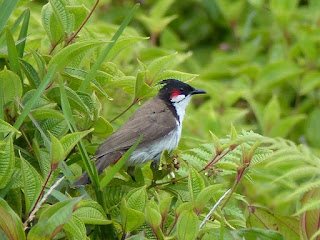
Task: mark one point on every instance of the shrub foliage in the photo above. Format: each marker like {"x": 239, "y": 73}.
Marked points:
{"x": 72, "y": 72}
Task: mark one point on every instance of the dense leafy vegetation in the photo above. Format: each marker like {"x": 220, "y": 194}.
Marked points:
{"x": 247, "y": 166}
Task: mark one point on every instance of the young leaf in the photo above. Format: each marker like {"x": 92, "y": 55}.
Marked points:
{"x": 76, "y": 228}
{"x": 61, "y": 13}
{"x": 137, "y": 200}
{"x": 90, "y": 212}
{"x": 11, "y": 86}
{"x": 7, "y": 161}
{"x": 204, "y": 196}
{"x": 56, "y": 152}
{"x": 50, "y": 23}
{"x": 40, "y": 63}
{"x": 30, "y": 73}
{"x": 6, "y": 127}
{"x": 187, "y": 226}
{"x": 69, "y": 141}
{"x": 10, "y": 223}
{"x": 131, "y": 219}
{"x": 68, "y": 54}
{"x": 102, "y": 127}
{"x": 195, "y": 183}
{"x": 53, "y": 219}
{"x": 32, "y": 183}
{"x": 153, "y": 218}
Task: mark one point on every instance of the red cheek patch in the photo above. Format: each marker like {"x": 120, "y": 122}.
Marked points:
{"x": 174, "y": 93}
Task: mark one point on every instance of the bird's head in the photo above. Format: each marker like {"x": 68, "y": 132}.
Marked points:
{"x": 176, "y": 91}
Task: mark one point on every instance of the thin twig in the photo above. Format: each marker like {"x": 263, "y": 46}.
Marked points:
{"x": 124, "y": 111}
{"x": 39, "y": 204}
{"x": 83, "y": 23}
{"x": 214, "y": 208}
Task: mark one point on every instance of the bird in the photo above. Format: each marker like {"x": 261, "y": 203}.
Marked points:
{"x": 159, "y": 120}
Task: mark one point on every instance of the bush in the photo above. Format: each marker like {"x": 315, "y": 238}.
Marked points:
{"x": 68, "y": 79}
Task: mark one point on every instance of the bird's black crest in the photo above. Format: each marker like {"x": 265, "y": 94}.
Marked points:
{"x": 169, "y": 81}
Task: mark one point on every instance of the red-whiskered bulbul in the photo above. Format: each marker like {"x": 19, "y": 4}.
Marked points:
{"x": 159, "y": 120}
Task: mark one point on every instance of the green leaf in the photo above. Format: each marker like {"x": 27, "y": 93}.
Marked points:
{"x": 121, "y": 44}
{"x": 10, "y": 222}
{"x": 74, "y": 99}
{"x": 69, "y": 141}
{"x": 6, "y": 127}
{"x": 6, "y": 7}
{"x": 195, "y": 184}
{"x": 76, "y": 228}
{"x": 40, "y": 63}
{"x": 7, "y": 161}
{"x": 119, "y": 164}
{"x": 46, "y": 113}
{"x": 137, "y": 199}
{"x": 183, "y": 207}
{"x": 23, "y": 33}
{"x": 313, "y": 128}
{"x": 158, "y": 66}
{"x": 131, "y": 219}
{"x": 172, "y": 74}
{"x": 32, "y": 183}
{"x": 271, "y": 115}
{"x": 13, "y": 54}
{"x": 56, "y": 152}
{"x": 275, "y": 74}
{"x": 309, "y": 82}
{"x": 30, "y": 73}
{"x": 153, "y": 217}
{"x": 53, "y": 219}
{"x": 187, "y": 226}
{"x": 51, "y": 24}
{"x": 63, "y": 17}
{"x": 253, "y": 233}
{"x": 35, "y": 97}
{"x": 263, "y": 218}
{"x": 164, "y": 206}
{"x": 309, "y": 221}
{"x": 91, "y": 74}
{"x": 204, "y": 196}
{"x": 90, "y": 212}
{"x": 72, "y": 52}
{"x": 79, "y": 12}
{"x": 283, "y": 127}
{"x": 102, "y": 127}
{"x": 11, "y": 86}
{"x": 141, "y": 89}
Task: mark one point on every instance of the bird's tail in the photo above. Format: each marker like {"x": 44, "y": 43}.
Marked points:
{"x": 102, "y": 162}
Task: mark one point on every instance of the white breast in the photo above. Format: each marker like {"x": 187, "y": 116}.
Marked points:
{"x": 168, "y": 142}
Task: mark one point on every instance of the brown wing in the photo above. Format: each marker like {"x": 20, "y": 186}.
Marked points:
{"x": 151, "y": 120}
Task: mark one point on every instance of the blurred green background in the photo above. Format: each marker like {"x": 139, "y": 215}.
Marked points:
{"x": 258, "y": 60}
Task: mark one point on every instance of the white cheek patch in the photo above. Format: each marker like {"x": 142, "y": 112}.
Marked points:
{"x": 177, "y": 98}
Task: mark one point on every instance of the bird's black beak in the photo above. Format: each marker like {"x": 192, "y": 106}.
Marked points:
{"x": 198, "y": 91}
